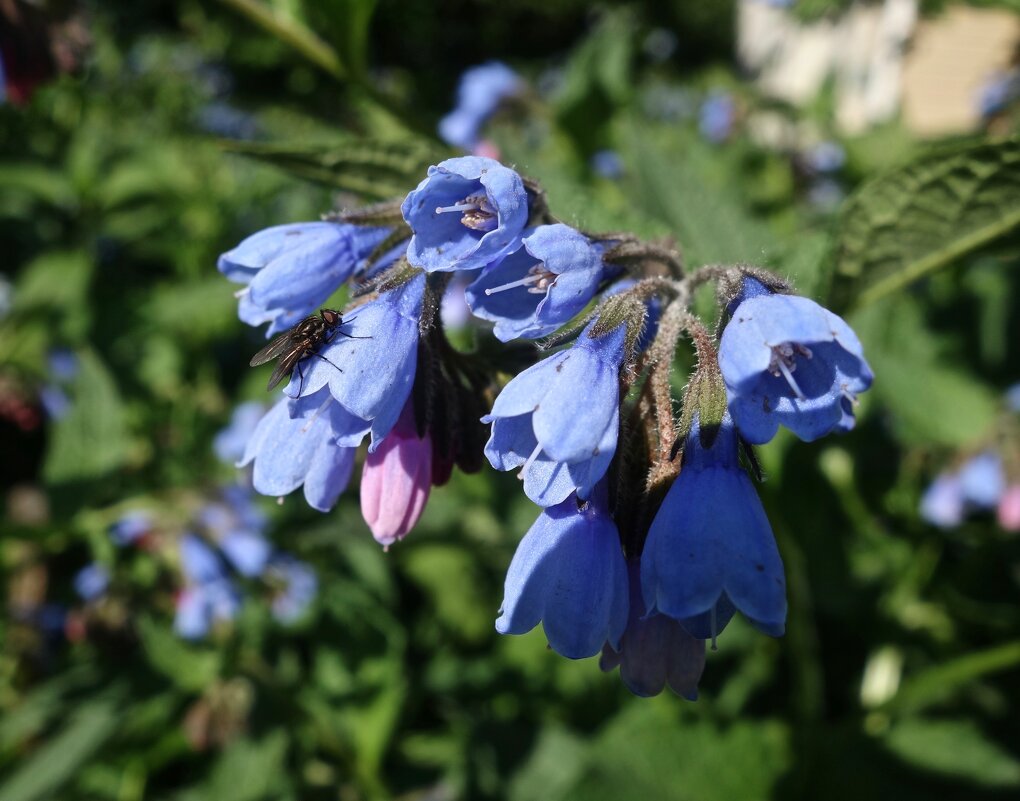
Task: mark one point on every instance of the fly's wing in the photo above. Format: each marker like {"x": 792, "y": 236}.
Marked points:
{"x": 285, "y": 365}
{"x": 275, "y": 348}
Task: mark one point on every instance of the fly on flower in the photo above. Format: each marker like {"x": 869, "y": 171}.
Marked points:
{"x": 302, "y": 340}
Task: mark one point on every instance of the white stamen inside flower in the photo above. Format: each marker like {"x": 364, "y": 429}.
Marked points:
{"x": 476, "y": 213}
{"x": 784, "y": 364}
{"x": 532, "y": 458}
{"x": 538, "y": 280}
{"x": 456, "y": 207}
{"x": 242, "y": 292}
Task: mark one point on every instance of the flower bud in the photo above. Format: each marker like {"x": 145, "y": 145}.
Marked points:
{"x": 396, "y": 480}
{"x": 1009, "y": 509}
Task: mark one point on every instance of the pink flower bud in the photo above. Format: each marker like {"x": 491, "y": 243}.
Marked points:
{"x": 396, "y": 480}
{"x": 1009, "y": 509}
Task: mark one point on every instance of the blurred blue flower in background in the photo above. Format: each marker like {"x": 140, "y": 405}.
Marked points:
{"x": 825, "y": 156}
{"x": 469, "y": 212}
{"x": 786, "y": 360}
{"x": 62, "y": 368}
{"x": 710, "y": 548}
{"x": 130, "y": 528}
{"x": 537, "y": 423}
{"x": 91, "y": 581}
{"x": 982, "y": 480}
{"x": 570, "y": 574}
{"x": 291, "y": 270}
{"x": 230, "y": 442}
{"x": 481, "y": 91}
{"x": 607, "y": 164}
{"x": 534, "y": 291}
{"x": 942, "y": 503}
{"x": 717, "y": 115}
{"x": 295, "y": 585}
{"x": 199, "y": 606}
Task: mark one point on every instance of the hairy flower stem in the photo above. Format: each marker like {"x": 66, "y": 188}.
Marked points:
{"x": 632, "y": 252}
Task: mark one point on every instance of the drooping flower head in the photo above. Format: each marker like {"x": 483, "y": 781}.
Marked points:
{"x": 569, "y": 574}
{"x": 290, "y": 270}
{"x": 480, "y": 92}
{"x": 371, "y": 371}
{"x": 655, "y": 650}
{"x": 396, "y": 480}
{"x": 309, "y": 441}
{"x": 537, "y": 289}
{"x": 710, "y": 549}
{"x": 469, "y": 212}
{"x": 786, "y": 360}
{"x": 558, "y": 420}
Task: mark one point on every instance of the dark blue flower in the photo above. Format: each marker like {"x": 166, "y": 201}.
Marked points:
{"x": 570, "y": 574}
{"x": 291, "y": 270}
{"x": 91, "y": 581}
{"x": 535, "y": 290}
{"x": 479, "y": 94}
{"x": 296, "y": 587}
{"x": 229, "y": 443}
{"x": 310, "y": 448}
{"x": 787, "y": 360}
{"x": 558, "y": 420}
{"x": 376, "y": 362}
{"x": 655, "y": 650}
{"x": 469, "y": 212}
{"x": 710, "y": 548}
{"x": 63, "y": 364}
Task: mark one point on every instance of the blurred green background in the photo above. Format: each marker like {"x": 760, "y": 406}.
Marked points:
{"x": 179, "y": 128}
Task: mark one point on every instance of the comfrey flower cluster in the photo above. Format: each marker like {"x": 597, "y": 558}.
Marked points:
{"x": 651, "y": 535}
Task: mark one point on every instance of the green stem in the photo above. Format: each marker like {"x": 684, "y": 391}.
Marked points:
{"x": 293, "y": 33}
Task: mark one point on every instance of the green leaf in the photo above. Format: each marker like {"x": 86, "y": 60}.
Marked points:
{"x": 912, "y": 221}
{"x": 377, "y": 170}
{"x": 674, "y": 181}
{"x": 190, "y": 667}
{"x": 942, "y": 681}
{"x": 956, "y": 748}
{"x": 957, "y": 408}
{"x": 249, "y": 771}
{"x": 59, "y": 760}
{"x": 92, "y": 439}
